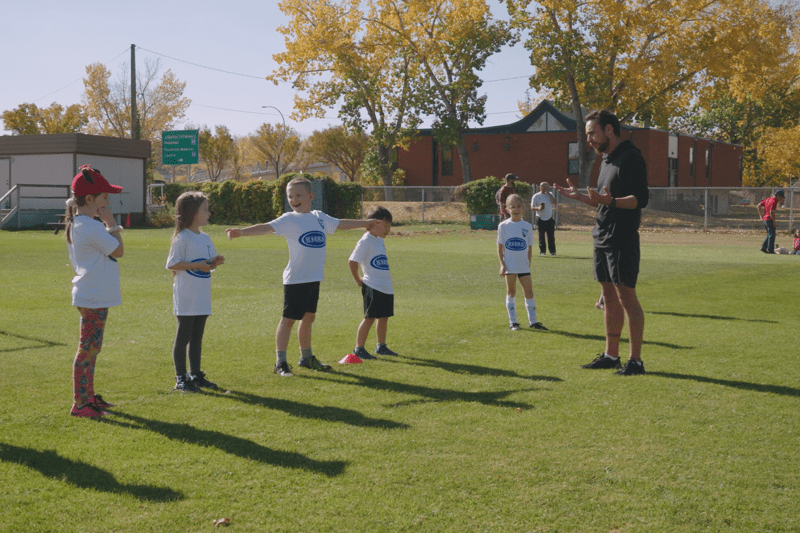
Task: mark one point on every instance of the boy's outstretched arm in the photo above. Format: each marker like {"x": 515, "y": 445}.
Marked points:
{"x": 258, "y": 229}
{"x": 354, "y": 270}
{"x": 349, "y": 223}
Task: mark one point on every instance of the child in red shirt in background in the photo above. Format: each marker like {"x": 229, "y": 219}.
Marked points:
{"x": 766, "y": 211}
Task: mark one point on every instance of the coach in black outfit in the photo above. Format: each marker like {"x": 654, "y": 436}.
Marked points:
{"x": 623, "y": 193}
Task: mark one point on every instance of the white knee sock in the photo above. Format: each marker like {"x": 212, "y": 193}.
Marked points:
{"x": 511, "y": 307}
{"x": 530, "y": 305}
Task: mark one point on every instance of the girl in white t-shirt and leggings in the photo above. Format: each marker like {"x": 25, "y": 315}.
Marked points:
{"x": 192, "y": 257}
{"x": 94, "y": 247}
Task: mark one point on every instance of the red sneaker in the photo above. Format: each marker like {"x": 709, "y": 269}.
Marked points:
{"x": 87, "y": 411}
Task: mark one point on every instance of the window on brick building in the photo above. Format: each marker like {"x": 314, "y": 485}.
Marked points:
{"x": 572, "y": 165}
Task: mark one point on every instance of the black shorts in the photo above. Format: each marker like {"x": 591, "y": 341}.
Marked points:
{"x": 377, "y": 304}
{"x": 299, "y": 299}
{"x": 620, "y": 267}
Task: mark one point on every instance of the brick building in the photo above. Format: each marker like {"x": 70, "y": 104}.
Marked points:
{"x": 543, "y": 147}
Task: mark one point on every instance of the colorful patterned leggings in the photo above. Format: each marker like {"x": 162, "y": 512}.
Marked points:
{"x": 93, "y": 324}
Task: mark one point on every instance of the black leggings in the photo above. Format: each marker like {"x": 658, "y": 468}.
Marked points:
{"x": 190, "y": 333}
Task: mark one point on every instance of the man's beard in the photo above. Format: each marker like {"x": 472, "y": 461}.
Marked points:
{"x": 602, "y": 147}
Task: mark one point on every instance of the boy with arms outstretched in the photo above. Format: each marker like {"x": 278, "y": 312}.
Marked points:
{"x": 514, "y": 241}
{"x": 305, "y": 232}
{"x": 376, "y": 282}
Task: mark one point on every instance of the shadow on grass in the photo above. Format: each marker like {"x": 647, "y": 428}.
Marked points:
{"x": 772, "y": 389}
{"x": 82, "y": 475}
{"x": 602, "y": 338}
{"x": 430, "y": 394}
{"x": 711, "y": 317}
{"x": 315, "y": 412}
{"x": 460, "y": 368}
{"x": 230, "y": 444}
{"x": 42, "y": 342}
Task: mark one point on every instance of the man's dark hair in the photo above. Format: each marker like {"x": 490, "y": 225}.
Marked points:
{"x": 379, "y": 213}
{"x": 605, "y": 117}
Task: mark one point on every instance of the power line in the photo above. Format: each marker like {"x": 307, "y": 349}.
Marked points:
{"x": 79, "y": 79}
{"x": 203, "y": 66}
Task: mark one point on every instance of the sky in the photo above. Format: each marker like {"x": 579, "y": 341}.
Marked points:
{"x": 222, "y": 50}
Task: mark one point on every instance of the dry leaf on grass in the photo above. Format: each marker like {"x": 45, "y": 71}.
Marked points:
{"x": 221, "y": 522}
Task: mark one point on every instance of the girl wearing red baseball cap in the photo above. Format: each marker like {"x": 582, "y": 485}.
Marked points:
{"x": 94, "y": 246}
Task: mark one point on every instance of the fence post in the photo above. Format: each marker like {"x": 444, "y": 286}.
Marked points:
{"x": 19, "y": 208}
{"x": 705, "y": 212}
{"x": 791, "y": 208}
{"x": 423, "y": 204}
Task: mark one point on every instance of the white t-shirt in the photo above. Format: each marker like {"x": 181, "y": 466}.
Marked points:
{"x": 536, "y": 201}
{"x": 191, "y": 289}
{"x": 516, "y": 238}
{"x": 370, "y": 253}
{"x": 305, "y": 233}
{"x": 96, "y": 281}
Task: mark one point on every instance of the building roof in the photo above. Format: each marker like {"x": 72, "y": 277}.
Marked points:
{"x": 73, "y": 143}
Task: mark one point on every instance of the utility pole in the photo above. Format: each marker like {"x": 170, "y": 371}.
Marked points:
{"x": 134, "y": 113}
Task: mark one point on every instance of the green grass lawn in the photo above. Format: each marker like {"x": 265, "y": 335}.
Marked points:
{"x": 472, "y": 428}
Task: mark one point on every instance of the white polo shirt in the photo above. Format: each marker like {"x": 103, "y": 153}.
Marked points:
{"x": 306, "y": 235}
{"x": 537, "y": 200}
{"x": 370, "y": 253}
{"x": 96, "y": 281}
{"x": 515, "y": 237}
{"x": 191, "y": 289}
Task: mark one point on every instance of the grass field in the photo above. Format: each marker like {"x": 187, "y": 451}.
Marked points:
{"x": 472, "y": 428}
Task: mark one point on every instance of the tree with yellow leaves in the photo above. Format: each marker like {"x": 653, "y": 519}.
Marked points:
{"x": 30, "y": 119}
{"x": 278, "y": 145}
{"x": 332, "y": 58}
{"x": 647, "y": 60}
{"x": 160, "y": 103}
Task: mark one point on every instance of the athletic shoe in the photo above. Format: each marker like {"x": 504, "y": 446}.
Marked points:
{"x": 362, "y": 353}
{"x": 600, "y": 305}
{"x": 601, "y": 361}
{"x": 99, "y": 403}
{"x": 539, "y": 326}
{"x": 283, "y": 369}
{"x": 631, "y": 368}
{"x": 184, "y": 384}
{"x": 313, "y": 363}
{"x": 199, "y": 380}
{"x": 515, "y": 327}
{"x": 543, "y": 254}
{"x": 87, "y": 411}
{"x": 384, "y": 350}
{"x": 553, "y": 254}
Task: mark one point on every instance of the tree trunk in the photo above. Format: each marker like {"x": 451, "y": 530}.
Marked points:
{"x": 463, "y": 156}
{"x": 585, "y": 155}
{"x": 386, "y": 170}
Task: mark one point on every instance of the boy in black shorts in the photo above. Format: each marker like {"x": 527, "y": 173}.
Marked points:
{"x": 305, "y": 232}
{"x": 376, "y": 282}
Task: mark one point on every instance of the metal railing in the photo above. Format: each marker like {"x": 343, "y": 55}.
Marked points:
{"x": 21, "y": 203}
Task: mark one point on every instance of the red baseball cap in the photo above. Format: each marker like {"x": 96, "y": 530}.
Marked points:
{"x": 90, "y": 181}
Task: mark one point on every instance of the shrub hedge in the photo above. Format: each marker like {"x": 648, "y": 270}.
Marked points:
{"x": 257, "y": 201}
{"x": 479, "y": 195}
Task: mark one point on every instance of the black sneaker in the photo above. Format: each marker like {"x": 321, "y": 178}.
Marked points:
{"x": 184, "y": 384}
{"x": 632, "y": 368}
{"x": 539, "y": 326}
{"x": 384, "y": 350}
{"x": 362, "y": 353}
{"x": 313, "y": 363}
{"x": 283, "y": 369}
{"x": 515, "y": 327}
{"x": 601, "y": 361}
{"x": 199, "y": 380}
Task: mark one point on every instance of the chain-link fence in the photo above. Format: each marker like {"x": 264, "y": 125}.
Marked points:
{"x": 698, "y": 209}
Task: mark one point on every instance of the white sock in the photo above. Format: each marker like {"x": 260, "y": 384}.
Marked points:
{"x": 511, "y": 307}
{"x": 530, "y": 305}
{"x": 610, "y": 356}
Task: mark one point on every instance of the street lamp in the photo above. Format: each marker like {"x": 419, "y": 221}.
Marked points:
{"x": 278, "y": 162}
{"x": 279, "y": 112}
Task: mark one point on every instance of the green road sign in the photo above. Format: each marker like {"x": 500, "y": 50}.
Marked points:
{"x": 179, "y": 147}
